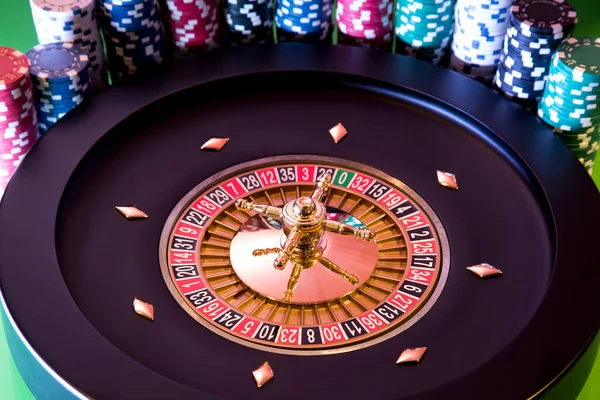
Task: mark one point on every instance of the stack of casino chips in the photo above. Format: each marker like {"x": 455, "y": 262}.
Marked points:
{"x": 571, "y": 101}
{"x": 478, "y": 37}
{"x": 365, "y": 23}
{"x": 249, "y": 21}
{"x": 303, "y": 20}
{"x": 133, "y": 35}
{"x": 424, "y": 28}
{"x": 536, "y": 29}
{"x": 18, "y": 119}
{"x": 72, "y": 21}
{"x": 194, "y": 24}
{"x": 61, "y": 80}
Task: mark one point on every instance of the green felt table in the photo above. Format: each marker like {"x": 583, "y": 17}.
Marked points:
{"x": 17, "y": 31}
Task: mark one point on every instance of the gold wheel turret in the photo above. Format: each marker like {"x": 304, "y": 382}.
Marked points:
{"x": 304, "y": 222}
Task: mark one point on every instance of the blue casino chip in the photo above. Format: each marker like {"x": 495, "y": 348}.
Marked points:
{"x": 63, "y": 87}
{"x": 54, "y": 94}
{"x": 303, "y": 17}
{"x": 72, "y": 21}
{"x": 47, "y": 119}
{"x": 61, "y": 80}
{"x": 128, "y": 17}
{"x": 536, "y": 29}
{"x": 56, "y": 62}
{"x": 134, "y": 37}
{"x": 50, "y": 99}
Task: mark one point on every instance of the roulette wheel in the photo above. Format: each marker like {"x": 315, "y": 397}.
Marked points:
{"x": 298, "y": 221}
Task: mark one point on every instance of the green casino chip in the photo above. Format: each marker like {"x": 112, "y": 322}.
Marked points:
{"x": 424, "y": 42}
{"x": 438, "y": 39}
{"x": 583, "y": 134}
{"x": 569, "y": 87}
{"x": 581, "y": 56}
{"x": 555, "y": 99}
{"x": 586, "y": 120}
{"x": 578, "y": 138}
{"x": 587, "y": 163}
{"x": 575, "y": 74}
{"x": 570, "y": 74}
{"x": 563, "y": 121}
{"x": 429, "y": 5}
{"x": 586, "y": 153}
{"x": 431, "y": 28}
{"x": 425, "y": 14}
{"x": 424, "y": 28}
{"x": 582, "y": 146}
{"x": 552, "y": 98}
{"x": 427, "y": 9}
{"x": 587, "y": 160}
{"x": 419, "y": 31}
{"x": 577, "y": 143}
{"x": 568, "y": 112}
{"x": 429, "y": 2}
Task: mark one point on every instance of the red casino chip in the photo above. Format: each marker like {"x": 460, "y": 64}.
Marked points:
{"x": 13, "y": 140}
{"x": 17, "y": 94}
{"x": 18, "y": 102}
{"x": 14, "y": 69}
{"x": 194, "y": 25}
{"x": 20, "y": 114}
{"x": 18, "y": 120}
{"x": 17, "y": 114}
{"x": 365, "y": 23}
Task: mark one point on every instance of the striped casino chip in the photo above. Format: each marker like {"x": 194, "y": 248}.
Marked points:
{"x": 60, "y": 74}
{"x": 535, "y": 30}
{"x": 303, "y": 20}
{"x": 249, "y": 21}
{"x": 18, "y": 117}
{"x": 365, "y": 23}
{"x": 478, "y": 37}
{"x": 194, "y": 24}
{"x": 134, "y": 37}
{"x": 76, "y": 23}
{"x": 424, "y": 28}
{"x": 570, "y": 103}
